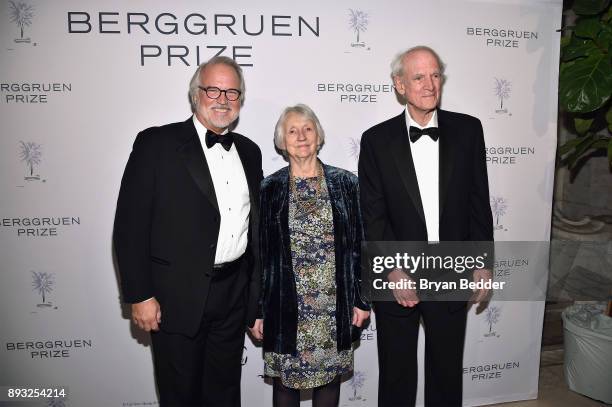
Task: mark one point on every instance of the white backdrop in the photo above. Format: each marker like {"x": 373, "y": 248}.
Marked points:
{"x": 78, "y": 81}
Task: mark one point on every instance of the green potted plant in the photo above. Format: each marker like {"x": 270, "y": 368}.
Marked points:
{"x": 585, "y": 83}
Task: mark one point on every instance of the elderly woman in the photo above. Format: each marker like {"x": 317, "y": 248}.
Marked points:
{"x": 310, "y": 240}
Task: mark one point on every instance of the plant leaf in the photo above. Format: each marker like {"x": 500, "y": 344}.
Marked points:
{"x": 565, "y": 65}
{"x": 586, "y": 84}
{"x": 608, "y": 118}
{"x": 588, "y": 27}
{"x": 604, "y": 38}
{"x": 582, "y": 125}
{"x": 589, "y": 7}
{"x": 578, "y": 47}
{"x": 608, "y": 16}
{"x": 569, "y": 146}
{"x": 565, "y": 40}
{"x": 588, "y": 141}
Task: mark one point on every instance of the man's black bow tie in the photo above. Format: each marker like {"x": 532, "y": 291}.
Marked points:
{"x": 416, "y": 133}
{"x": 225, "y": 140}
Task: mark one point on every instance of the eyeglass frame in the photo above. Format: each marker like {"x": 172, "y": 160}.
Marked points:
{"x": 221, "y": 91}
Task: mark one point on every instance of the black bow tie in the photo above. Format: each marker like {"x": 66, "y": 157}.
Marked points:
{"x": 416, "y": 133}
{"x": 225, "y": 140}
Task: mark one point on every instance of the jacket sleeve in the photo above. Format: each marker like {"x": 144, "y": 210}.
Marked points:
{"x": 132, "y": 227}
{"x": 255, "y": 287}
{"x": 481, "y": 220}
{"x": 372, "y": 198}
{"x": 360, "y": 301}
{"x": 264, "y": 223}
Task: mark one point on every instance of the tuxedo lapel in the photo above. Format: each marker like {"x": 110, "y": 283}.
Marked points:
{"x": 194, "y": 159}
{"x": 400, "y": 149}
{"x": 446, "y": 158}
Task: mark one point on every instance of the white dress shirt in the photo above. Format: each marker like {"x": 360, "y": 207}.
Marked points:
{"x": 426, "y": 165}
{"x": 232, "y": 192}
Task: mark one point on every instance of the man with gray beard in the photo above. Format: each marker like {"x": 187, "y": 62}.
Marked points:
{"x": 185, "y": 242}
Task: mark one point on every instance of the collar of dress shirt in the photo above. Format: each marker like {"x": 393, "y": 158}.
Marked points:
{"x": 202, "y": 130}
{"x": 433, "y": 121}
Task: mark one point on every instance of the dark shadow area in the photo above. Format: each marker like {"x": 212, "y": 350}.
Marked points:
{"x": 142, "y": 337}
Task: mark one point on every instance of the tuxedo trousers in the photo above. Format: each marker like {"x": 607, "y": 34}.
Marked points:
{"x": 204, "y": 370}
{"x": 397, "y": 338}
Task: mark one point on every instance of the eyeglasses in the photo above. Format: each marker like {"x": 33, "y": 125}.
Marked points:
{"x": 214, "y": 93}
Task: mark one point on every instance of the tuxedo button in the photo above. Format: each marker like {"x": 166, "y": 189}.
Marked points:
{"x": 213, "y": 246}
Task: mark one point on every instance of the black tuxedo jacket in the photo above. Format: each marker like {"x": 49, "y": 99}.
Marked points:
{"x": 390, "y": 199}
{"x": 167, "y": 224}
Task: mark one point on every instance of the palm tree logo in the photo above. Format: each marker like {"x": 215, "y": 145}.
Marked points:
{"x": 358, "y": 22}
{"x": 43, "y": 283}
{"x": 492, "y": 317}
{"x": 354, "y": 148}
{"x": 30, "y": 154}
{"x": 21, "y": 14}
{"x": 499, "y": 205}
{"x": 502, "y": 91}
{"x": 357, "y": 382}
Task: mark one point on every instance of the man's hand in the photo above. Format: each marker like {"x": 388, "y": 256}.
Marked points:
{"x": 359, "y": 316}
{"x": 257, "y": 329}
{"x": 481, "y": 295}
{"x": 405, "y": 297}
{"x": 147, "y": 314}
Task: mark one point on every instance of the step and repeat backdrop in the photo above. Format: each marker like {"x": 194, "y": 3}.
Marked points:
{"x": 79, "y": 79}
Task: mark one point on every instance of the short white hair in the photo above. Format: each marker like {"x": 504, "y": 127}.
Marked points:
{"x": 195, "y": 79}
{"x": 279, "y": 131}
{"x": 397, "y": 65}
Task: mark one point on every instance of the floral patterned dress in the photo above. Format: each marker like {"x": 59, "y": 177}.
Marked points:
{"x": 317, "y": 361}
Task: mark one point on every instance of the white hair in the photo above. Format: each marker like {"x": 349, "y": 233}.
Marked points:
{"x": 397, "y": 65}
{"x": 195, "y": 79}
{"x": 279, "y": 130}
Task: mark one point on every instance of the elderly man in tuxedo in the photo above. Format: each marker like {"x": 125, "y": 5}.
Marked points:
{"x": 423, "y": 177}
{"x": 186, "y": 244}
